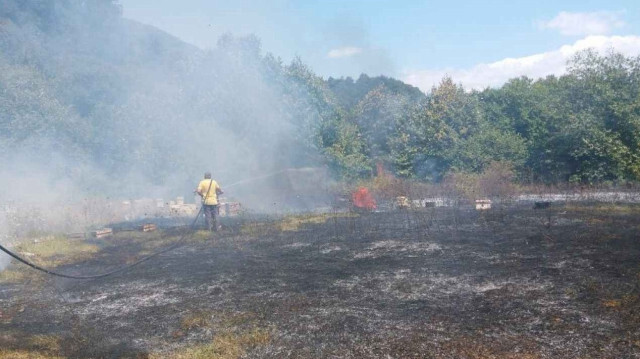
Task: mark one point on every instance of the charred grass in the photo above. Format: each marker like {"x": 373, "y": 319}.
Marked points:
{"x": 450, "y": 282}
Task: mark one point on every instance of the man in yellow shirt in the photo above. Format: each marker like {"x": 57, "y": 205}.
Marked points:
{"x": 209, "y": 190}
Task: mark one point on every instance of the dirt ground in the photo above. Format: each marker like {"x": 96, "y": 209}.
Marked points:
{"x": 510, "y": 282}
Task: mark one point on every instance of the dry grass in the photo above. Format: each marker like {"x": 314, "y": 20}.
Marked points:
{"x": 48, "y": 251}
{"x": 137, "y": 236}
{"x": 232, "y": 320}
{"x": 201, "y": 235}
{"x": 225, "y": 345}
{"x": 26, "y": 354}
{"x": 236, "y": 333}
{"x": 148, "y": 240}
{"x": 626, "y": 302}
{"x": 595, "y": 221}
{"x": 20, "y": 274}
{"x": 253, "y": 229}
{"x": 612, "y": 303}
{"x": 43, "y": 347}
{"x": 496, "y": 181}
{"x": 603, "y": 208}
{"x": 48, "y": 343}
{"x": 32, "y": 346}
{"x": 56, "y": 250}
{"x": 290, "y": 223}
{"x": 293, "y": 223}
{"x": 469, "y": 348}
{"x": 196, "y": 320}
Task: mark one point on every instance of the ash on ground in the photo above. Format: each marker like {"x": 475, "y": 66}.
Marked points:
{"x": 437, "y": 282}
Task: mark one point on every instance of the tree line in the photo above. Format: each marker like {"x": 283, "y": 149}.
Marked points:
{"x": 581, "y": 127}
{"x": 79, "y": 82}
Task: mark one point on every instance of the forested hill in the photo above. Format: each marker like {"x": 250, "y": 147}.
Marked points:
{"x": 349, "y": 92}
{"x": 89, "y": 97}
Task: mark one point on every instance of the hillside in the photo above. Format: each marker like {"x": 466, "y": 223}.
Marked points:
{"x": 89, "y": 94}
{"x": 349, "y": 92}
{"x": 90, "y": 101}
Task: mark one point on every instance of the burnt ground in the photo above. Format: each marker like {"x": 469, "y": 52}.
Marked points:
{"x": 512, "y": 282}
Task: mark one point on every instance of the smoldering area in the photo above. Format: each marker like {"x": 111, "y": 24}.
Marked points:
{"x": 107, "y": 110}
{"x": 444, "y": 282}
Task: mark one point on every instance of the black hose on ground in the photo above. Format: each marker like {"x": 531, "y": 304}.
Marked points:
{"x": 179, "y": 243}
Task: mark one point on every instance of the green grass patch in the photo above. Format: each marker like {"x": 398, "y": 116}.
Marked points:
{"x": 48, "y": 252}
{"x": 56, "y": 250}
{"x": 20, "y": 274}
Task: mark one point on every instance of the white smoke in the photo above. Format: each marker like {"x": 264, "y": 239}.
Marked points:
{"x": 121, "y": 110}
{"x": 4, "y": 258}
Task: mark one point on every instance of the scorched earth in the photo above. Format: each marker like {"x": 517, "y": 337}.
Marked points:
{"x": 446, "y": 282}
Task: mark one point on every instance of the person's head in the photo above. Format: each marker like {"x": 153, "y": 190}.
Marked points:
{"x": 207, "y": 175}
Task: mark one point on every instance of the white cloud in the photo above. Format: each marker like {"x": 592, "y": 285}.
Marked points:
{"x": 344, "y": 52}
{"x": 535, "y": 66}
{"x": 584, "y": 23}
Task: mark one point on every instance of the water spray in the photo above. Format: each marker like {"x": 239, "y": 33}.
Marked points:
{"x": 248, "y": 180}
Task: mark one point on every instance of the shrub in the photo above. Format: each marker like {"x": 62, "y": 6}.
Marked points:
{"x": 496, "y": 181}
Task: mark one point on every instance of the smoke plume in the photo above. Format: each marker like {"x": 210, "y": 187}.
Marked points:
{"x": 97, "y": 106}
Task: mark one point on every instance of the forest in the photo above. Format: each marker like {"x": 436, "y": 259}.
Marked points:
{"x": 86, "y": 94}
{"x": 581, "y": 127}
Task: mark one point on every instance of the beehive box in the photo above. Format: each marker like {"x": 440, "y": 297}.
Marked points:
{"x": 402, "y": 202}
{"x": 103, "y": 232}
{"x": 483, "y": 204}
{"x": 229, "y": 209}
{"x": 149, "y": 227}
{"x": 79, "y": 235}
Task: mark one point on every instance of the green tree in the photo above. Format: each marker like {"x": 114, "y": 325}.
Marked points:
{"x": 487, "y": 145}
{"x": 607, "y": 90}
{"x": 377, "y": 116}
{"x": 345, "y": 150}
{"x": 429, "y": 138}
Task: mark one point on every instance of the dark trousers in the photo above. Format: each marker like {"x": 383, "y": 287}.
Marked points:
{"x": 210, "y": 214}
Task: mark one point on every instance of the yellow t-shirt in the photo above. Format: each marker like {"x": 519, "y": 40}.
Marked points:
{"x": 212, "y": 196}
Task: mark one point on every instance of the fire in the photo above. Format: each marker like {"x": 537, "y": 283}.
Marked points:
{"x": 361, "y": 198}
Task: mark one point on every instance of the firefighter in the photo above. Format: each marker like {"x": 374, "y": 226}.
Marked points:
{"x": 209, "y": 190}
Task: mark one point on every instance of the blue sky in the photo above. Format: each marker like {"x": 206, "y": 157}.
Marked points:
{"x": 416, "y": 41}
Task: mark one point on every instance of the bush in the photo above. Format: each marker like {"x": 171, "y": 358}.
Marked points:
{"x": 496, "y": 181}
